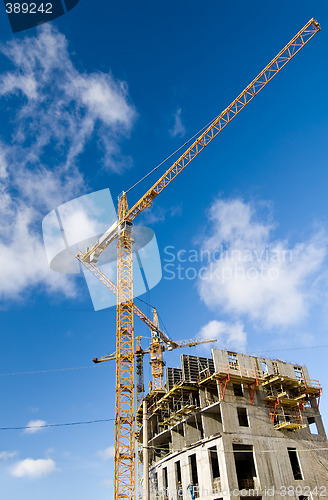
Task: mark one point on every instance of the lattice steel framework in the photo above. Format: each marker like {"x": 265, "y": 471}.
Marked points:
{"x": 124, "y": 475}
{"x": 156, "y": 357}
{"x": 219, "y": 123}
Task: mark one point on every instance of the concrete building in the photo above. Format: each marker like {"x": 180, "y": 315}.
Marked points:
{"x": 236, "y": 426}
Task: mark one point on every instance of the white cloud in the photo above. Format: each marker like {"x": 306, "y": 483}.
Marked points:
{"x": 252, "y": 274}
{"x": 33, "y": 468}
{"x": 24, "y": 264}
{"x": 3, "y": 162}
{"x": 107, "y": 453}
{"x": 108, "y": 483}
{"x": 62, "y": 106}
{"x": 34, "y": 426}
{"x": 178, "y": 129}
{"x": 6, "y": 455}
{"x": 228, "y": 335}
{"x": 52, "y": 111}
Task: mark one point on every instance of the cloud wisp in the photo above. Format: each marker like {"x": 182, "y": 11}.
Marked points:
{"x": 52, "y": 110}
{"x": 178, "y": 129}
{"x": 33, "y": 468}
{"x": 34, "y": 426}
{"x": 7, "y": 455}
{"x": 254, "y": 275}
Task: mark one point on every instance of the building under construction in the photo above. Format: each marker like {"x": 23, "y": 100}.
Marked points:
{"x": 234, "y": 426}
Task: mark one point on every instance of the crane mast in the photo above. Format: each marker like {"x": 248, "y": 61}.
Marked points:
{"x": 124, "y": 480}
{"x": 156, "y": 357}
{"x": 124, "y": 458}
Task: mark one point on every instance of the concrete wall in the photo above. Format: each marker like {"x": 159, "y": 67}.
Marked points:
{"x": 273, "y": 468}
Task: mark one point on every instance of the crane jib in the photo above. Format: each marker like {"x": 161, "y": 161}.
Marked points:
{"x": 218, "y": 124}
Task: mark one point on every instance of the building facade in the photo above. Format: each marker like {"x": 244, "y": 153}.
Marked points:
{"x": 236, "y": 426}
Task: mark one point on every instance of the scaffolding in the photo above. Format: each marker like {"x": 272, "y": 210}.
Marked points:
{"x": 287, "y": 398}
{"x": 234, "y": 373}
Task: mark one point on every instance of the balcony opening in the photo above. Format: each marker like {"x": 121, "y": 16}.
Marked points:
{"x": 245, "y": 466}
{"x": 296, "y": 468}
{"x": 242, "y": 417}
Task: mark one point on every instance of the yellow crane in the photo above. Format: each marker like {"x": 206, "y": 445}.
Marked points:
{"x": 124, "y": 473}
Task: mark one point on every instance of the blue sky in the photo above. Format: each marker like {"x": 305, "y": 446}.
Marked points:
{"x": 96, "y": 100}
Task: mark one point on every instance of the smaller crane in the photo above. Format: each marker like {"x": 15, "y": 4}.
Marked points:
{"x": 155, "y": 350}
{"x": 160, "y": 340}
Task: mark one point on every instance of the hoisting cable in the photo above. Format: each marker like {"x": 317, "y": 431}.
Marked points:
{"x": 172, "y": 154}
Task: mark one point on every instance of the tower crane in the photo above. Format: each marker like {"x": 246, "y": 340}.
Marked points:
{"x": 124, "y": 473}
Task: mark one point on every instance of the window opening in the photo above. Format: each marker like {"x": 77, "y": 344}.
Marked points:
{"x": 242, "y": 417}
{"x": 295, "y": 463}
{"x": 312, "y": 425}
{"x": 264, "y": 367}
{"x": 245, "y": 466}
{"x": 154, "y": 481}
{"x": 214, "y": 462}
{"x": 238, "y": 390}
{"x": 275, "y": 368}
{"x": 298, "y": 373}
{"x": 180, "y": 430}
{"x": 165, "y": 481}
{"x": 194, "y": 473}
{"x": 199, "y": 427}
{"x": 178, "y": 479}
{"x": 233, "y": 360}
